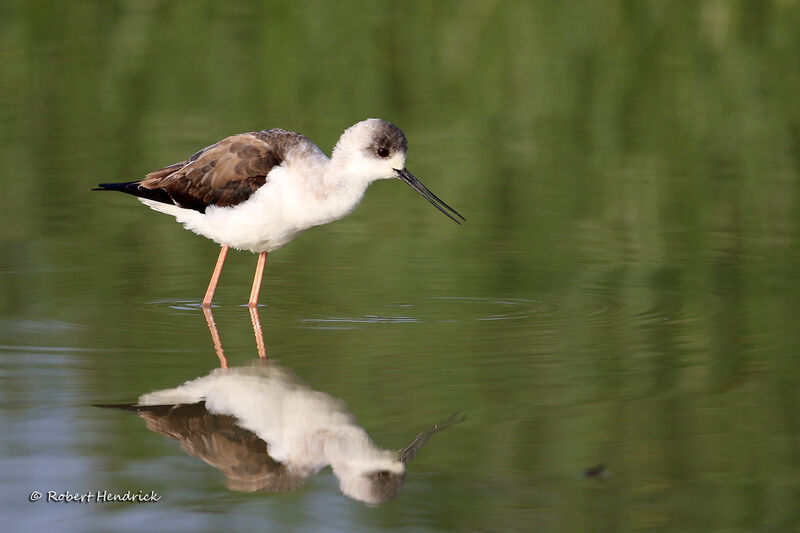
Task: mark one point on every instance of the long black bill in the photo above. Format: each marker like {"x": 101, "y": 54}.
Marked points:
{"x": 409, "y": 178}
{"x": 410, "y": 451}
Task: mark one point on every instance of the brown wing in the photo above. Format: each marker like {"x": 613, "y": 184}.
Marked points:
{"x": 225, "y": 173}
{"x": 219, "y": 441}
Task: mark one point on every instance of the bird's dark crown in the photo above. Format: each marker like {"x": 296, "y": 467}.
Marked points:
{"x": 386, "y": 136}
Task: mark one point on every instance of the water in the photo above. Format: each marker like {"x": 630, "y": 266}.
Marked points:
{"x": 617, "y": 319}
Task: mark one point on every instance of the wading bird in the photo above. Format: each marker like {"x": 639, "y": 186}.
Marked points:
{"x": 257, "y": 191}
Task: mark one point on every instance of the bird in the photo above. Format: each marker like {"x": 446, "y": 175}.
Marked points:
{"x": 257, "y": 191}
{"x": 267, "y": 430}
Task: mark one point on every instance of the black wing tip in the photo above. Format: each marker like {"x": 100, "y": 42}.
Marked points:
{"x": 160, "y": 195}
{"x": 123, "y": 406}
{"x": 125, "y": 186}
{"x": 139, "y": 408}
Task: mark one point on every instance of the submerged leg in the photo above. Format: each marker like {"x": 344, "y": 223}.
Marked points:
{"x": 262, "y": 259}
{"x": 212, "y": 327}
{"x": 212, "y": 285}
{"x": 262, "y": 348}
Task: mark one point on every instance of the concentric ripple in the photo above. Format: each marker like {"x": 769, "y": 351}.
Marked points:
{"x": 437, "y": 310}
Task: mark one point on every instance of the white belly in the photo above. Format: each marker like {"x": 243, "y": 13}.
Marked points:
{"x": 274, "y": 215}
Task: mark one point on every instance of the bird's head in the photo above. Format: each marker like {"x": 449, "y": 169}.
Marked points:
{"x": 371, "y": 481}
{"x": 376, "y": 149}
{"x": 375, "y": 476}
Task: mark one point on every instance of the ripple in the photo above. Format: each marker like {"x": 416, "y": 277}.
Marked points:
{"x": 178, "y": 305}
{"x": 444, "y": 309}
{"x": 589, "y": 306}
{"x": 597, "y": 306}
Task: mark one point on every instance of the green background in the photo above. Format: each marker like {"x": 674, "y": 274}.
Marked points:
{"x": 625, "y": 291}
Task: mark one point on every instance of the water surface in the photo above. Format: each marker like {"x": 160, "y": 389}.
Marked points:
{"x": 617, "y": 318}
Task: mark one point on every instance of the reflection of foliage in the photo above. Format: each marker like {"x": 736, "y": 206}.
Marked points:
{"x": 610, "y": 158}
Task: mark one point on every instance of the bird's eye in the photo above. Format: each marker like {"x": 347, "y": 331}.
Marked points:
{"x": 383, "y": 152}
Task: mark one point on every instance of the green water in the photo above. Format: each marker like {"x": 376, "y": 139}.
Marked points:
{"x": 625, "y": 291}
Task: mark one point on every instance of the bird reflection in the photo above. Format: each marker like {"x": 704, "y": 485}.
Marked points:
{"x": 217, "y": 340}
{"x": 266, "y": 429}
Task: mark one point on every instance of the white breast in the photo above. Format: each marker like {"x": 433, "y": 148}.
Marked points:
{"x": 292, "y": 200}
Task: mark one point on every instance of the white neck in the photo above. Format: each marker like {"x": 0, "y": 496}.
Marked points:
{"x": 334, "y": 188}
{"x": 352, "y": 451}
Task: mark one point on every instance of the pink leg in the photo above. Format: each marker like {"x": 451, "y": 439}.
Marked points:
{"x": 262, "y": 348}
{"x": 262, "y": 259}
{"x": 212, "y": 285}
{"x": 212, "y": 326}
